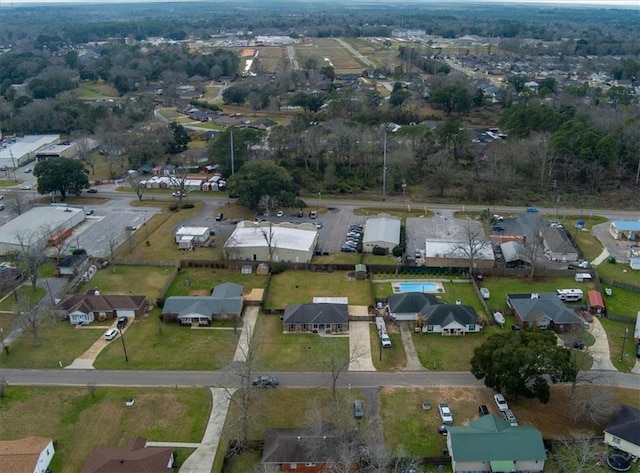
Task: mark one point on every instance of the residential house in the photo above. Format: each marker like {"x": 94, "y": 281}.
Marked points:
{"x": 451, "y": 319}
{"x": 557, "y": 245}
{"x": 409, "y": 305}
{"x": 134, "y": 457}
{"x": 86, "y": 308}
{"x": 225, "y": 302}
{"x": 623, "y": 431}
{"x": 26, "y": 455}
{"x": 72, "y": 265}
{"x": 596, "y": 302}
{"x": 299, "y": 450}
{"x": 542, "y": 310}
{"x": 316, "y": 318}
{"x": 491, "y": 444}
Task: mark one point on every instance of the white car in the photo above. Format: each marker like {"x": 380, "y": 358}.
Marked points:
{"x": 485, "y": 293}
{"x": 110, "y": 334}
{"x": 280, "y": 213}
{"x": 445, "y": 413}
{"x": 501, "y": 402}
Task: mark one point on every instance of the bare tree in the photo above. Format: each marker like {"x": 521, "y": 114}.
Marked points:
{"x": 178, "y": 181}
{"x": 534, "y": 250}
{"x": 60, "y": 245}
{"x": 3, "y": 386}
{"x": 270, "y": 240}
{"x": 112, "y": 252}
{"x": 18, "y": 202}
{"x": 472, "y": 244}
{"x": 30, "y": 253}
{"x": 336, "y": 363}
{"x": 135, "y": 181}
{"x": 31, "y": 317}
{"x": 85, "y": 151}
{"x": 268, "y": 203}
{"x": 577, "y": 453}
{"x": 593, "y": 404}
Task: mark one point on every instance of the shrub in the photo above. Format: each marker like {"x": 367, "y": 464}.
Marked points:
{"x": 278, "y": 268}
{"x": 188, "y": 205}
{"x": 397, "y": 251}
{"x": 173, "y": 207}
{"x": 379, "y": 251}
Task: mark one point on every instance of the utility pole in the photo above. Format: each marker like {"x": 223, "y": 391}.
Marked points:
{"x": 126, "y": 358}
{"x": 404, "y": 193}
{"x": 232, "y": 157}
{"x": 384, "y": 167}
{"x": 624, "y": 339}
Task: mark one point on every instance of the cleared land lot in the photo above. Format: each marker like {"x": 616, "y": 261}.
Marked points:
{"x": 320, "y": 48}
{"x": 79, "y": 419}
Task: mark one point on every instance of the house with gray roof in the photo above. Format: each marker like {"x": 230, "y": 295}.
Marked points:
{"x": 383, "y": 232}
{"x": 543, "y": 310}
{"x": 623, "y": 431}
{"x": 316, "y": 318}
{"x": 451, "y": 319}
{"x": 225, "y": 302}
{"x": 408, "y": 305}
{"x": 557, "y": 245}
{"x": 491, "y": 444}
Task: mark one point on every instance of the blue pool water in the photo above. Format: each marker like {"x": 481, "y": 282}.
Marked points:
{"x": 420, "y": 286}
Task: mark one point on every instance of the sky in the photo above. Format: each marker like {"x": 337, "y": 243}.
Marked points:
{"x": 603, "y": 3}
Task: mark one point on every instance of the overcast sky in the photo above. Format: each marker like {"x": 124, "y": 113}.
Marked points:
{"x": 611, "y": 3}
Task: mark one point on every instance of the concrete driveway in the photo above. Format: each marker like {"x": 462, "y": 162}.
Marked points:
{"x": 600, "y": 349}
{"x": 360, "y": 344}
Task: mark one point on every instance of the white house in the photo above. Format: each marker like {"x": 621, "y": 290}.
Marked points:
{"x": 623, "y": 431}
{"x": 26, "y": 455}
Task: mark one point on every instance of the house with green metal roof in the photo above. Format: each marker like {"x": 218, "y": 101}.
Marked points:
{"x": 491, "y": 444}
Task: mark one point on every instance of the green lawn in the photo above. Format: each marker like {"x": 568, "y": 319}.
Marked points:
{"x": 617, "y": 333}
{"x": 25, "y": 291}
{"x": 78, "y": 420}
{"x": 387, "y": 359}
{"x": 205, "y": 279}
{"x": 622, "y": 302}
{"x": 296, "y": 287}
{"x": 127, "y": 279}
{"x": 294, "y": 351}
{"x": 154, "y": 345}
{"x": 60, "y": 341}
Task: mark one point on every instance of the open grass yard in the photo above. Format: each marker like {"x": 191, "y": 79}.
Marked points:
{"x": 407, "y": 425}
{"x": 129, "y": 279}
{"x": 392, "y": 358}
{"x": 24, "y": 292}
{"x": 618, "y": 272}
{"x": 78, "y": 421}
{"x": 272, "y": 58}
{"x": 295, "y": 351}
{"x": 297, "y": 287}
{"x": 435, "y": 350}
{"x": 617, "y": 334}
{"x": 205, "y": 279}
{"x": 155, "y": 345}
{"x": 60, "y": 341}
{"x": 338, "y": 258}
{"x": 622, "y": 302}
{"x": 321, "y": 48}
{"x": 375, "y": 51}
{"x": 90, "y": 90}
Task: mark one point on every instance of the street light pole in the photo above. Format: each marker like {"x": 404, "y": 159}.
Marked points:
{"x": 624, "y": 339}
{"x": 319, "y": 195}
{"x": 404, "y": 193}
{"x": 126, "y": 358}
{"x": 384, "y": 168}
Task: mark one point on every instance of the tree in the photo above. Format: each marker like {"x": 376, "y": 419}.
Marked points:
{"x": 18, "y": 202}
{"x": 593, "y": 404}
{"x": 63, "y": 175}
{"x": 263, "y": 178}
{"x": 180, "y": 138}
{"x": 134, "y": 181}
{"x": 30, "y": 253}
{"x": 335, "y": 362}
{"x": 472, "y": 244}
{"x": 520, "y": 363}
{"x": 31, "y": 317}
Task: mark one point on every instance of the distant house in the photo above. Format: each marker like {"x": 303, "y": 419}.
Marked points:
{"x": 299, "y": 451}
{"x": 491, "y": 444}
{"x": 451, "y": 319}
{"x": 557, "y": 245}
{"x": 26, "y": 455}
{"x": 623, "y": 431}
{"x": 407, "y": 305}
{"x": 134, "y": 457}
{"x": 542, "y": 310}
{"x": 316, "y": 318}
{"x": 224, "y": 302}
{"x": 86, "y": 308}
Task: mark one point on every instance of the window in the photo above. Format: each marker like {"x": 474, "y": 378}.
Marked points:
{"x": 615, "y": 440}
{"x": 305, "y": 327}
{"x": 293, "y": 466}
{"x": 429, "y": 328}
{"x": 292, "y": 327}
{"x": 338, "y": 327}
{"x": 472, "y": 327}
{"x": 309, "y": 464}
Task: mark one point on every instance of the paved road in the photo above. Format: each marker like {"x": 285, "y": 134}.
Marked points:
{"x": 362, "y": 379}
{"x": 357, "y": 54}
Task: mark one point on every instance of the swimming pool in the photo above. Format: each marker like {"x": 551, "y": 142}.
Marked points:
{"x": 418, "y": 286}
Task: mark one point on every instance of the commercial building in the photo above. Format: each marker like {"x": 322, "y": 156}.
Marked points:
{"x": 382, "y": 232}
{"x": 15, "y": 152}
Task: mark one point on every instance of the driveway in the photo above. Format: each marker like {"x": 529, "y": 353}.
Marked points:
{"x": 86, "y": 360}
{"x": 360, "y": 344}
{"x": 616, "y": 248}
{"x": 600, "y": 349}
{"x": 413, "y": 363}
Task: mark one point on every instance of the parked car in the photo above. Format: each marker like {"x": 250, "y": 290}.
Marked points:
{"x": 483, "y": 410}
{"x": 110, "y": 334}
{"x": 28, "y": 170}
{"x": 93, "y": 190}
{"x": 532, "y": 210}
{"x": 265, "y": 381}
{"x": 1, "y": 207}
{"x": 501, "y": 402}
{"x": 485, "y": 293}
{"x": 313, "y": 214}
{"x": 25, "y": 187}
{"x": 638, "y": 350}
{"x": 516, "y": 327}
{"x": 1, "y": 196}
{"x": 498, "y": 218}
{"x": 445, "y": 413}
{"x": 300, "y": 214}
{"x": 280, "y": 213}
{"x": 358, "y": 410}
{"x": 89, "y": 212}
{"x": 122, "y": 322}
{"x": 498, "y": 228}
{"x": 178, "y": 194}
{"x": 347, "y": 249}
{"x": 510, "y": 417}
{"x": 577, "y": 344}
{"x": 219, "y": 217}
{"x": 442, "y": 430}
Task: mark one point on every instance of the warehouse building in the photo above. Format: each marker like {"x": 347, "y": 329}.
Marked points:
{"x": 15, "y": 152}
{"x": 272, "y": 242}
{"x": 383, "y": 232}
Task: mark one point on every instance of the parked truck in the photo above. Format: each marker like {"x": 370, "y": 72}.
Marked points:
{"x": 382, "y": 332}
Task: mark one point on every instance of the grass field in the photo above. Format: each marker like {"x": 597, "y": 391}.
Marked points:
{"x": 127, "y": 279}
{"x": 90, "y": 90}
{"x": 154, "y": 345}
{"x": 207, "y": 278}
{"x": 294, "y": 351}
{"x": 78, "y": 421}
{"x": 320, "y": 48}
{"x": 391, "y": 359}
{"x": 296, "y": 287}
{"x": 24, "y": 292}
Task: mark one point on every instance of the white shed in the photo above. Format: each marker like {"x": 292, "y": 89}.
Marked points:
{"x": 200, "y": 234}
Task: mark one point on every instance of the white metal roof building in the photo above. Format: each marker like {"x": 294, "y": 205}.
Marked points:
{"x": 288, "y": 242}
{"x": 37, "y": 225}
{"x": 200, "y": 234}
{"x": 381, "y": 231}
{"x": 19, "y": 151}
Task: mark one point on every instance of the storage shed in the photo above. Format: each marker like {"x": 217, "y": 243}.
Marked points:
{"x": 596, "y": 302}
{"x": 381, "y": 231}
{"x": 361, "y": 271}
{"x": 199, "y": 235}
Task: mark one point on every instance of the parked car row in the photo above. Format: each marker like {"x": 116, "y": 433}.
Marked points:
{"x": 353, "y": 239}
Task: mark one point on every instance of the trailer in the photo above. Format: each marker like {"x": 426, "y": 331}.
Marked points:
{"x": 382, "y": 333}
